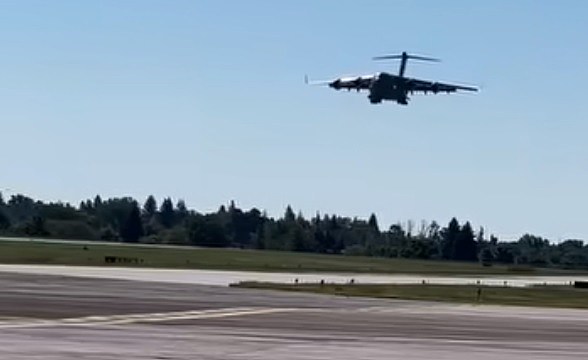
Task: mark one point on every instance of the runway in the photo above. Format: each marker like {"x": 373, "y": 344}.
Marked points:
{"x": 56, "y": 317}
{"x": 227, "y": 277}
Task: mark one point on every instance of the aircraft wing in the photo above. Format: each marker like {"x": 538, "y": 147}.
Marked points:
{"x": 353, "y": 83}
{"x": 416, "y": 85}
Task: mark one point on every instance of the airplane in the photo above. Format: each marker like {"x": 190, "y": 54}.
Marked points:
{"x": 386, "y": 86}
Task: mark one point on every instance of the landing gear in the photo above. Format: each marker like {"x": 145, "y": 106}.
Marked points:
{"x": 402, "y": 99}
{"x": 374, "y": 99}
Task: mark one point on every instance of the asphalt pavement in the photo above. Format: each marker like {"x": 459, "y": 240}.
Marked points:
{"x": 59, "y": 317}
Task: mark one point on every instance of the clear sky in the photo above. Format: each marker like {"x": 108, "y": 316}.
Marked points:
{"x": 206, "y": 101}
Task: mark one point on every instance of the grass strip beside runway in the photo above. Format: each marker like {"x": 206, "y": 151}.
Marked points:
{"x": 543, "y": 296}
{"x": 141, "y": 255}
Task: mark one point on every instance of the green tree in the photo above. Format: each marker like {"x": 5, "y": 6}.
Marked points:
{"x": 534, "y": 250}
{"x": 167, "y": 213}
{"x": 205, "y": 231}
{"x": 396, "y": 240}
{"x": 111, "y": 219}
{"x": 132, "y": 228}
{"x": 36, "y": 227}
{"x": 418, "y": 248}
{"x": 97, "y": 201}
{"x": 480, "y": 237}
{"x": 4, "y": 220}
{"x": 181, "y": 207}
{"x": 114, "y": 212}
{"x": 450, "y": 237}
{"x": 434, "y": 234}
{"x": 22, "y": 208}
{"x": 373, "y": 223}
{"x": 150, "y": 207}
{"x": 298, "y": 240}
{"x": 86, "y": 206}
{"x": 289, "y": 215}
{"x": 261, "y": 236}
{"x": 506, "y": 253}
{"x": 465, "y": 246}
{"x": 181, "y": 210}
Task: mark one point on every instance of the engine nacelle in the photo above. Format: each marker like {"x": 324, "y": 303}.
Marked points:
{"x": 336, "y": 84}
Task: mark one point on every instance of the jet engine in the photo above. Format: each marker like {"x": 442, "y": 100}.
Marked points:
{"x": 336, "y": 84}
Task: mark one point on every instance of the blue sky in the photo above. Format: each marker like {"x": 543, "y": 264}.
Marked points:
{"x": 205, "y": 101}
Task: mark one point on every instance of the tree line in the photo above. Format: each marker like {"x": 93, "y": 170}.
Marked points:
{"x": 124, "y": 219}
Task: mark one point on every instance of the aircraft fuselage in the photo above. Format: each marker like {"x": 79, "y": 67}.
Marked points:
{"x": 387, "y": 87}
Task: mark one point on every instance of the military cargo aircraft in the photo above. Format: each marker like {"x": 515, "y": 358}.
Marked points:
{"x": 386, "y": 86}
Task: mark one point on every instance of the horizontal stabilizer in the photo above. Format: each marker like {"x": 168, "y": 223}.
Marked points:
{"x": 403, "y": 59}
{"x": 406, "y": 56}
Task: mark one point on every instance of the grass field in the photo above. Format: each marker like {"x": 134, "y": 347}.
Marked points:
{"x": 544, "y": 296}
{"x": 39, "y": 252}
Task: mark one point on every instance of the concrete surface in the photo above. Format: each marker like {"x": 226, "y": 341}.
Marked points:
{"x": 225, "y": 277}
{"x": 55, "y": 317}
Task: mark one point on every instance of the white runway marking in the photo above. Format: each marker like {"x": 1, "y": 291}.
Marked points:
{"x": 139, "y": 318}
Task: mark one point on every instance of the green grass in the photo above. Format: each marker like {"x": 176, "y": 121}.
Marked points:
{"x": 36, "y": 252}
{"x": 542, "y": 296}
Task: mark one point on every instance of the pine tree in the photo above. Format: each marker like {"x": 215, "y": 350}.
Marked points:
{"x": 260, "y": 237}
{"x": 373, "y": 223}
{"x": 465, "y": 246}
{"x": 181, "y": 209}
{"x": 289, "y": 215}
{"x": 167, "y": 213}
{"x": 150, "y": 207}
{"x": 132, "y": 228}
{"x": 87, "y": 206}
{"x": 97, "y": 201}
{"x": 449, "y": 236}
